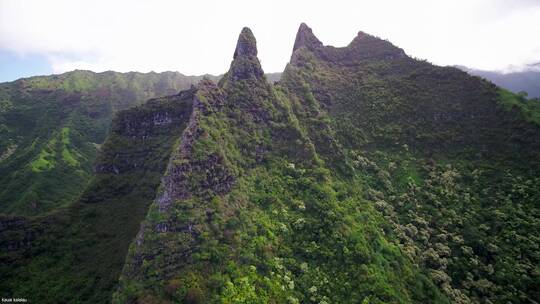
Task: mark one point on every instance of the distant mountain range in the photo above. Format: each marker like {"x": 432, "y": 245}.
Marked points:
{"x": 525, "y": 81}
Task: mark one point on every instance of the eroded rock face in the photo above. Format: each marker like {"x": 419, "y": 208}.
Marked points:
{"x": 191, "y": 174}
{"x": 362, "y": 47}
{"x": 246, "y": 65}
{"x": 177, "y": 182}
{"x": 200, "y": 169}
{"x": 306, "y": 38}
{"x": 143, "y": 126}
{"x": 246, "y": 45}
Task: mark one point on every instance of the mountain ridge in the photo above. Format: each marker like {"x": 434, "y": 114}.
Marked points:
{"x": 154, "y": 257}
{"x": 53, "y": 126}
{"x": 363, "y": 175}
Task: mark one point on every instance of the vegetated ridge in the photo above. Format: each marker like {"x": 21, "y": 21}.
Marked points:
{"x": 363, "y": 175}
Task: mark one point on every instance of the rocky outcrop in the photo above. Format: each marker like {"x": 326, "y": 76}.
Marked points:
{"x": 365, "y": 46}
{"x": 190, "y": 174}
{"x": 177, "y": 184}
{"x": 246, "y": 45}
{"x": 141, "y": 126}
{"x": 141, "y": 123}
{"x": 306, "y": 38}
{"x": 362, "y": 47}
{"x": 246, "y": 65}
{"x": 201, "y": 168}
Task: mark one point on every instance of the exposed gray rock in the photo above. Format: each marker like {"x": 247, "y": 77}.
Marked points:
{"x": 246, "y": 45}
{"x": 246, "y": 65}
{"x": 306, "y": 38}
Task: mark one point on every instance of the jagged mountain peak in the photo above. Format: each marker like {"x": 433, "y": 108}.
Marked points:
{"x": 246, "y": 45}
{"x": 366, "y": 45}
{"x": 245, "y": 64}
{"x": 360, "y": 36}
{"x": 359, "y": 159}
{"x": 363, "y": 47}
{"x": 306, "y": 38}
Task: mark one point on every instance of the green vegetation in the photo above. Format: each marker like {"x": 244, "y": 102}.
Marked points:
{"x": 50, "y": 125}
{"x": 455, "y": 217}
{"x": 44, "y": 159}
{"x": 362, "y": 176}
{"x": 449, "y": 160}
{"x": 75, "y": 254}
{"x": 530, "y": 108}
{"x": 289, "y": 230}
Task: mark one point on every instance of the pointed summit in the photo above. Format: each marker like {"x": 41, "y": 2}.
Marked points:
{"x": 305, "y": 37}
{"x": 246, "y": 45}
{"x": 363, "y": 47}
{"x": 245, "y": 63}
{"x": 363, "y": 38}
{"x": 367, "y": 46}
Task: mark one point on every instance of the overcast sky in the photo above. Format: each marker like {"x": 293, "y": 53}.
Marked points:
{"x": 197, "y": 37}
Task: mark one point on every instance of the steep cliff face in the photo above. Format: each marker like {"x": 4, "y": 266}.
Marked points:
{"x": 201, "y": 171}
{"x": 362, "y": 176}
{"x": 248, "y": 211}
{"x": 245, "y": 64}
{"x": 78, "y": 252}
{"x": 51, "y": 128}
{"x": 360, "y": 161}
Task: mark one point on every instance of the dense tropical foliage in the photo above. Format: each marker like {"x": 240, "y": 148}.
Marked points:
{"x": 362, "y": 176}
{"x": 51, "y": 129}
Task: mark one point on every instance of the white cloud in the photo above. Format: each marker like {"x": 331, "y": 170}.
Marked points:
{"x": 196, "y": 37}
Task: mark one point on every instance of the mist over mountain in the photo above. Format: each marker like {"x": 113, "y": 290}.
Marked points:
{"x": 362, "y": 176}
{"x": 524, "y": 81}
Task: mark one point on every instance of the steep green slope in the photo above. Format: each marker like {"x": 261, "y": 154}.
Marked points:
{"x": 75, "y": 255}
{"x": 247, "y": 211}
{"x": 451, "y": 160}
{"x": 362, "y": 176}
{"x": 391, "y": 99}
{"x": 52, "y": 127}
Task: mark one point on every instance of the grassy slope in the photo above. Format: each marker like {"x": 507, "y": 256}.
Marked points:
{"x": 52, "y": 127}
{"x": 75, "y": 254}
